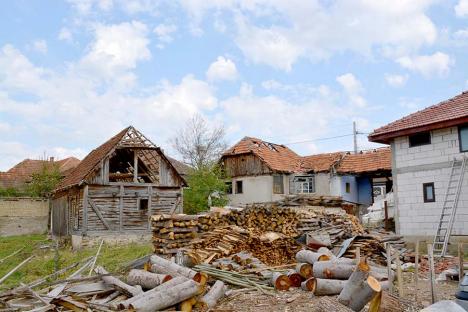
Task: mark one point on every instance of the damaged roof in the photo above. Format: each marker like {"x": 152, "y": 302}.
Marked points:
{"x": 448, "y": 113}
{"x": 282, "y": 159}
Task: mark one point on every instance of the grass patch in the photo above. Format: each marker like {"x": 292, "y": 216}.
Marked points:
{"x": 112, "y": 257}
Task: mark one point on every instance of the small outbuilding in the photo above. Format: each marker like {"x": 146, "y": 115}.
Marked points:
{"x": 116, "y": 188}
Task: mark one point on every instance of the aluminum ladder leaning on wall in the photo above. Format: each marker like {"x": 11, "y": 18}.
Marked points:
{"x": 449, "y": 207}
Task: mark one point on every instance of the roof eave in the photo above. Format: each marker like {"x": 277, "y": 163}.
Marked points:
{"x": 385, "y": 138}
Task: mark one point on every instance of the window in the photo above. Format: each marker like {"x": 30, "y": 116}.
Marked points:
{"x": 463, "y": 138}
{"x": 239, "y": 187}
{"x": 348, "y": 187}
{"x": 304, "y": 184}
{"x": 278, "y": 185}
{"x": 143, "y": 204}
{"x": 228, "y": 187}
{"x": 418, "y": 139}
{"x": 428, "y": 192}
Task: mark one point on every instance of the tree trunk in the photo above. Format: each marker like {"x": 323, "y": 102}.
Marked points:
{"x": 163, "y": 266}
{"x": 360, "y": 288}
{"x": 128, "y": 290}
{"x": 310, "y": 256}
{"x": 146, "y": 279}
{"x": 326, "y": 251}
{"x": 158, "y": 300}
{"x": 295, "y": 278}
{"x": 333, "y": 270}
{"x": 167, "y": 285}
{"x": 280, "y": 281}
{"x": 328, "y": 287}
{"x": 304, "y": 269}
{"x": 309, "y": 284}
{"x": 211, "y": 298}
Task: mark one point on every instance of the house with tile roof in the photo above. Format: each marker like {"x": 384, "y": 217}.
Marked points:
{"x": 116, "y": 188}
{"x": 21, "y": 174}
{"x": 261, "y": 171}
{"x": 425, "y": 146}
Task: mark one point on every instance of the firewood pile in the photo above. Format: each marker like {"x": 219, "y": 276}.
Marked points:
{"x": 165, "y": 285}
{"x": 311, "y": 200}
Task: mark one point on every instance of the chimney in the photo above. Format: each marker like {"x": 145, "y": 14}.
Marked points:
{"x": 51, "y": 159}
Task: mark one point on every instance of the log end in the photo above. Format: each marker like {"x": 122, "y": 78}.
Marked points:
{"x": 309, "y": 285}
{"x": 200, "y": 278}
{"x": 295, "y": 279}
{"x": 282, "y": 282}
{"x": 167, "y": 278}
{"x": 323, "y": 258}
{"x": 374, "y": 284}
{"x": 305, "y": 270}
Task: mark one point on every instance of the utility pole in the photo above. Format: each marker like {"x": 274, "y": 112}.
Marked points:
{"x": 355, "y": 137}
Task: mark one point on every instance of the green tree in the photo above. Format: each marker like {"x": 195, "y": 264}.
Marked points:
{"x": 10, "y": 192}
{"x": 204, "y": 184}
{"x": 44, "y": 181}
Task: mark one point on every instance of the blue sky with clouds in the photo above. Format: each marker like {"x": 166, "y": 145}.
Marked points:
{"x": 73, "y": 73}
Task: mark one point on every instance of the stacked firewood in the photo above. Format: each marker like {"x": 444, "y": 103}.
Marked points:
{"x": 311, "y": 200}
{"x": 171, "y": 232}
{"x": 338, "y": 223}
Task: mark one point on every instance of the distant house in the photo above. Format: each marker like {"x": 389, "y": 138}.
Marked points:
{"x": 116, "y": 188}
{"x": 261, "y": 171}
{"x": 21, "y": 174}
{"x": 424, "y": 146}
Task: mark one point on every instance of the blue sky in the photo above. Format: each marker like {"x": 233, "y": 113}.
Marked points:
{"x": 74, "y": 73}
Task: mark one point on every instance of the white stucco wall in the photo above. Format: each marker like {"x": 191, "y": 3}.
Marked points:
{"x": 338, "y": 187}
{"x": 424, "y": 164}
{"x": 256, "y": 189}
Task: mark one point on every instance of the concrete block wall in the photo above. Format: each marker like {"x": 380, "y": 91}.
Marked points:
{"x": 20, "y": 216}
{"x": 424, "y": 164}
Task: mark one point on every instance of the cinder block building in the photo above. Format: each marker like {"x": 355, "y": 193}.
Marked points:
{"x": 425, "y": 147}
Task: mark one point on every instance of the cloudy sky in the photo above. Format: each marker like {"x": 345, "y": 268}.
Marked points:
{"x": 74, "y": 73}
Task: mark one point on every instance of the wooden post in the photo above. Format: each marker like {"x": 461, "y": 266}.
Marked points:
{"x": 121, "y": 208}
{"x": 389, "y": 267}
{"x": 135, "y": 166}
{"x": 430, "y": 254}
{"x": 386, "y": 215}
{"x": 416, "y": 271}
{"x": 399, "y": 275}
{"x": 150, "y": 195}
{"x": 85, "y": 209}
{"x": 358, "y": 254}
{"x": 461, "y": 256}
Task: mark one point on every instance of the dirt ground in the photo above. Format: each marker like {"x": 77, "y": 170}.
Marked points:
{"x": 298, "y": 300}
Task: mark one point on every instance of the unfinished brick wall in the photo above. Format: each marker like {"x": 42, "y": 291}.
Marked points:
{"x": 20, "y": 216}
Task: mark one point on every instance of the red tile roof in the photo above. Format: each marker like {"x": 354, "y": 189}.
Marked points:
{"x": 320, "y": 162}
{"x": 365, "y": 162}
{"x": 445, "y": 114}
{"x": 22, "y": 172}
{"x": 276, "y": 157}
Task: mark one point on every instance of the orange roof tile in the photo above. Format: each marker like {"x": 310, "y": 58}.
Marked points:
{"x": 364, "y": 162}
{"x": 320, "y": 162}
{"x": 445, "y": 114}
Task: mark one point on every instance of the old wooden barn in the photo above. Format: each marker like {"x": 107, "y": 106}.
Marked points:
{"x": 116, "y": 188}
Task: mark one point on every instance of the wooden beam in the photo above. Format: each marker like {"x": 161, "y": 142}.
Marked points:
{"x": 85, "y": 209}
{"x": 135, "y": 167}
{"x": 98, "y": 213}
{"x": 121, "y": 208}
{"x": 150, "y": 195}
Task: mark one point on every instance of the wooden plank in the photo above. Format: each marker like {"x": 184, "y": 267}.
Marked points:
{"x": 135, "y": 167}
{"x": 85, "y": 209}
{"x": 416, "y": 271}
{"x": 461, "y": 256}
{"x": 389, "y": 267}
{"x": 121, "y": 208}
{"x": 98, "y": 213}
{"x": 430, "y": 254}
{"x": 150, "y": 192}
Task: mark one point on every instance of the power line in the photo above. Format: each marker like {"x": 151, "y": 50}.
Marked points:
{"x": 324, "y": 139}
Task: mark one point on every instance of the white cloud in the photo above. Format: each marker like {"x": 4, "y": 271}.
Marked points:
{"x": 65, "y": 34}
{"x": 437, "y": 64}
{"x": 461, "y": 34}
{"x": 395, "y": 80}
{"x": 164, "y": 33}
{"x": 222, "y": 69}
{"x": 85, "y": 7}
{"x": 461, "y": 9}
{"x": 318, "y": 30}
{"x": 40, "y": 46}
{"x": 353, "y": 89}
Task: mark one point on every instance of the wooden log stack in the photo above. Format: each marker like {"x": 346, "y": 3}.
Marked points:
{"x": 171, "y": 232}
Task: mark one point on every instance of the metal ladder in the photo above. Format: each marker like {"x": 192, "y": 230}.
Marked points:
{"x": 449, "y": 207}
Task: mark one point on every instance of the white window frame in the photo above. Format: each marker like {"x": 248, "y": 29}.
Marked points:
{"x": 304, "y": 184}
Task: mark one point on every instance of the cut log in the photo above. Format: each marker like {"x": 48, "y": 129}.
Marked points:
{"x": 187, "y": 305}
{"x": 360, "y": 288}
{"x": 310, "y": 256}
{"x": 305, "y": 270}
{"x": 211, "y": 298}
{"x": 326, "y": 251}
{"x": 333, "y": 270}
{"x": 167, "y": 285}
{"x": 308, "y": 285}
{"x": 295, "y": 278}
{"x": 280, "y": 281}
{"x": 163, "y": 266}
{"x": 328, "y": 287}
{"x": 158, "y": 300}
{"x": 146, "y": 279}
{"x": 128, "y": 290}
